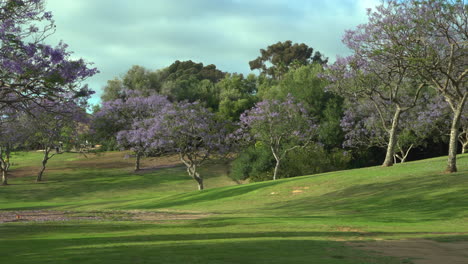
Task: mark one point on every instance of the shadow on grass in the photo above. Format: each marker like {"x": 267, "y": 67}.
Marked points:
{"x": 432, "y": 197}
{"x": 106, "y": 244}
{"x": 204, "y": 196}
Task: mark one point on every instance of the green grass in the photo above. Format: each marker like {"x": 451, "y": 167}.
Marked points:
{"x": 299, "y": 220}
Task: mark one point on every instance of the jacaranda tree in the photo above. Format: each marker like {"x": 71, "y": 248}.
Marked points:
{"x": 29, "y": 68}
{"x": 425, "y": 40}
{"x": 126, "y": 119}
{"x": 13, "y": 134}
{"x": 192, "y": 132}
{"x": 51, "y": 126}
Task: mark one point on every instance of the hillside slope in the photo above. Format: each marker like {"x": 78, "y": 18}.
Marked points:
{"x": 105, "y": 213}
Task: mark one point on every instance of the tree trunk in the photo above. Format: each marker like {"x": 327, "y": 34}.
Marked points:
{"x": 278, "y": 160}
{"x": 275, "y": 172}
{"x": 392, "y": 140}
{"x": 39, "y": 176}
{"x": 194, "y": 174}
{"x": 137, "y": 162}
{"x": 453, "y": 143}
{"x": 44, "y": 164}
{"x": 4, "y": 177}
{"x": 199, "y": 181}
{"x": 463, "y": 138}
{"x": 4, "y": 164}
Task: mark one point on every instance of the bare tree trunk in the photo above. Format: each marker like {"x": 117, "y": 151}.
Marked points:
{"x": 275, "y": 172}
{"x": 392, "y": 140}
{"x": 192, "y": 171}
{"x": 4, "y": 177}
{"x": 278, "y": 160}
{"x": 199, "y": 181}
{"x": 137, "y": 162}
{"x": 463, "y": 138}
{"x": 4, "y": 164}
{"x": 194, "y": 174}
{"x": 44, "y": 164}
{"x": 405, "y": 155}
{"x": 453, "y": 143}
{"x": 39, "y": 176}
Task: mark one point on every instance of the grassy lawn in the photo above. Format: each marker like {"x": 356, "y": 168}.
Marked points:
{"x": 308, "y": 219}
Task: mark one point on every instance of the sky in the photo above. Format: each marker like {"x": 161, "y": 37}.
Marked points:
{"x": 117, "y": 34}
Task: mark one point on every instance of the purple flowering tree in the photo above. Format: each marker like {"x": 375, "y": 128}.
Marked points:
{"x": 437, "y": 118}
{"x": 127, "y": 118}
{"x": 13, "y": 134}
{"x": 192, "y": 132}
{"x": 426, "y": 39}
{"x": 282, "y": 125}
{"x": 29, "y": 68}
{"x": 439, "y": 54}
{"x": 366, "y": 127}
{"x": 52, "y": 126}
{"x": 381, "y": 78}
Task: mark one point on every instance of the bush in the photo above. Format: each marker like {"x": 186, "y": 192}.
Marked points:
{"x": 312, "y": 160}
{"x": 257, "y": 163}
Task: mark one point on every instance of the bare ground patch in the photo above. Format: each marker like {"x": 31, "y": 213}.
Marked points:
{"x": 419, "y": 251}
{"x": 121, "y": 160}
{"x": 44, "y": 215}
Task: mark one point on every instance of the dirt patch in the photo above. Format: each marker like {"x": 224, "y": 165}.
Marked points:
{"x": 112, "y": 160}
{"x": 43, "y": 216}
{"x": 108, "y": 160}
{"x": 420, "y": 251}
{"x": 349, "y": 229}
{"x": 154, "y": 168}
{"x": 33, "y": 171}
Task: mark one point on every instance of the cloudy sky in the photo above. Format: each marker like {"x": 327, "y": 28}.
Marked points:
{"x": 116, "y": 34}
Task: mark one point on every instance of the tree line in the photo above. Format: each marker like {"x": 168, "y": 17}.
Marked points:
{"x": 402, "y": 89}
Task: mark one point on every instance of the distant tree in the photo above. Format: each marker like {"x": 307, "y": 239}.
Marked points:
{"x": 51, "y": 127}
{"x": 182, "y": 70}
{"x": 436, "y": 118}
{"x": 13, "y": 134}
{"x": 278, "y": 58}
{"x": 139, "y": 79}
{"x": 281, "y": 125}
{"x": 306, "y": 85}
{"x": 29, "y": 68}
{"x": 124, "y": 120}
{"x": 192, "y": 132}
{"x": 236, "y": 95}
{"x": 114, "y": 89}
{"x": 366, "y": 127}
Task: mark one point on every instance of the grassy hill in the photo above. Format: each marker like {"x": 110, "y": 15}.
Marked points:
{"x": 131, "y": 217}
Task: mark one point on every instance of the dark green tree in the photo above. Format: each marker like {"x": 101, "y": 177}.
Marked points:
{"x": 236, "y": 94}
{"x": 277, "y": 59}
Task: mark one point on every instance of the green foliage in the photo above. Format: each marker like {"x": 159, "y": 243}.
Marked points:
{"x": 330, "y": 132}
{"x": 312, "y": 160}
{"x": 236, "y": 94}
{"x": 182, "y": 80}
{"x": 255, "y": 163}
{"x": 305, "y": 85}
{"x": 279, "y": 58}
